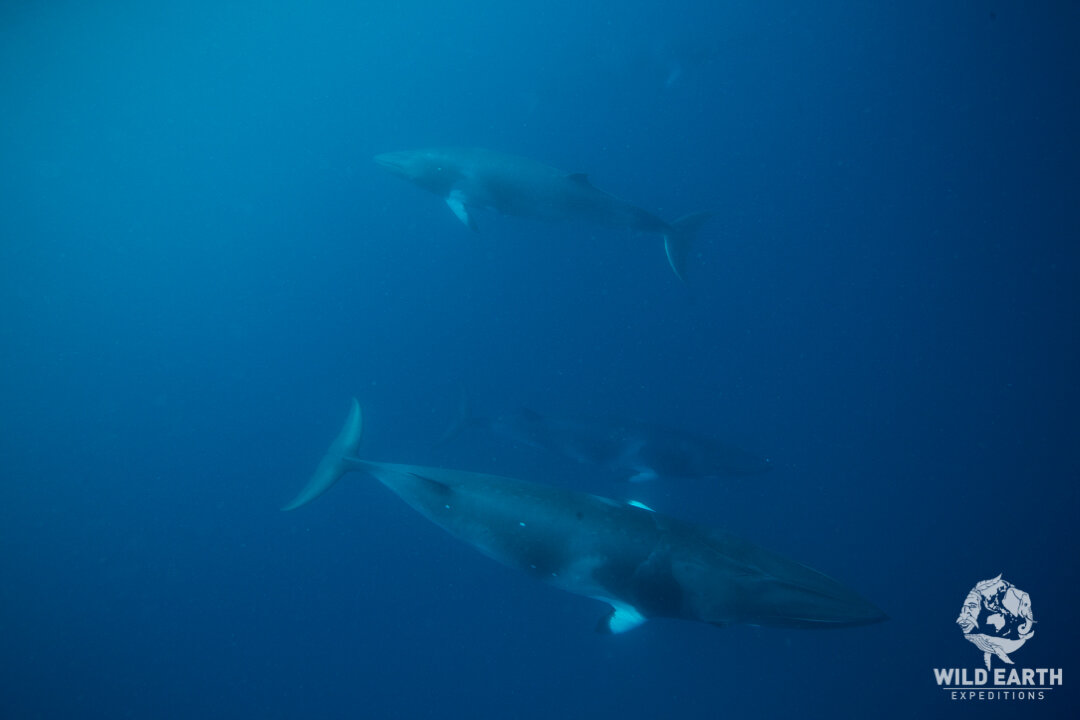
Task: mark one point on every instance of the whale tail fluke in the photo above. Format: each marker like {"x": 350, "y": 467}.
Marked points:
{"x": 679, "y": 239}
{"x": 339, "y": 459}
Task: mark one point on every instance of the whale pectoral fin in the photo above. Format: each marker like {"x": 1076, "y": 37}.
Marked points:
{"x": 1001, "y": 654}
{"x": 679, "y": 237}
{"x": 621, "y": 618}
{"x": 579, "y": 178}
{"x": 456, "y": 201}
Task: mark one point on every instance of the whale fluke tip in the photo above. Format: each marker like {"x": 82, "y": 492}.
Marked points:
{"x": 338, "y": 460}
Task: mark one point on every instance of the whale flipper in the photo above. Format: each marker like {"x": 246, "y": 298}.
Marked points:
{"x": 456, "y": 201}
{"x": 622, "y": 618}
{"x": 680, "y": 237}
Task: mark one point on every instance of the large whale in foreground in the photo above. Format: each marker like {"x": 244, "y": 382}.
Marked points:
{"x": 643, "y": 564}
{"x": 470, "y": 178}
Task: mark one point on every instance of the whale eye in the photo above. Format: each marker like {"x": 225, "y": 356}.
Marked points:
{"x": 580, "y": 515}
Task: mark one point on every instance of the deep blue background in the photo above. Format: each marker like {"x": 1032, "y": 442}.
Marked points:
{"x": 200, "y": 264}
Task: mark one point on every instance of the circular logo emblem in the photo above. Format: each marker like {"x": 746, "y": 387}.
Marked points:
{"x": 997, "y": 619}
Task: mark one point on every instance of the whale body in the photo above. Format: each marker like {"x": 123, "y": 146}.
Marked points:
{"x": 469, "y": 178}
{"x": 643, "y": 564}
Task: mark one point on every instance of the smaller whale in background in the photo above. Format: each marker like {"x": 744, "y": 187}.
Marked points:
{"x": 641, "y": 563}
{"x": 468, "y": 178}
{"x": 637, "y": 450}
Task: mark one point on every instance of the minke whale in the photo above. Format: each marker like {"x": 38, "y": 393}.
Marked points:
{"x": 633, "y": 449}
{"x": 468, "y": 178}
{"x": 641, "y": 563}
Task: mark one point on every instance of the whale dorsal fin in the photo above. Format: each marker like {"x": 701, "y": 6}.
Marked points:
{"x": 439, "y": 487}
{"x": 579, "y": 178}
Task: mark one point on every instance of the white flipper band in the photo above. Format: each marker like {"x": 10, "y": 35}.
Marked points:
{"x": 456, "y": 201}
{"x": 622, "y": 618}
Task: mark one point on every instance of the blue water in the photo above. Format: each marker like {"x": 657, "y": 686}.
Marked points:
{"x": 200, "y": 265}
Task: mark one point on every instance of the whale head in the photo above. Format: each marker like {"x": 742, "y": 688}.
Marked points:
{"x": 430, "y": 169}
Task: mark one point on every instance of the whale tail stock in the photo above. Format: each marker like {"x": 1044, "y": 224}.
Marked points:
{"x": 680, "y": 237}
{"x": 339, "y": 459}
